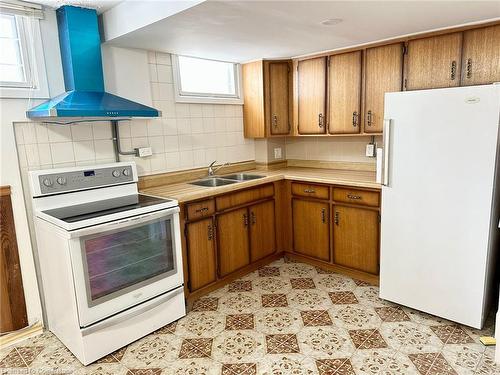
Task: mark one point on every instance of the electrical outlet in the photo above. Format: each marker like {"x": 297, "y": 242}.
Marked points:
{"x": 142, "y": 152}
{"x": 277, "y": 153}
{"x": 370, "y": 150}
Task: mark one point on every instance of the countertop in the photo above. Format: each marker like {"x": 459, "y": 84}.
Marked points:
{"x": 184, "y": 191}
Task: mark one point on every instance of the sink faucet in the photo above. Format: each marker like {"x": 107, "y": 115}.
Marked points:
{"x": 212, "y": 168}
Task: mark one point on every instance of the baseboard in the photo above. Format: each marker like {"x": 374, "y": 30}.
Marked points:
{"x": 21, "y": 334}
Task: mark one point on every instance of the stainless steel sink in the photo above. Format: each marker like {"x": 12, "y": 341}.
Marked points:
{"x": 242, "y": 176}
{"x": 213, "y": 182}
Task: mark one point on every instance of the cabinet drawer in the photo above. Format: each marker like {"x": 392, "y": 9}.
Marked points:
{"x": 198, "y": 210}
{"x": 308, "y": 190}
{"x": 365, "y": 198}
{"x": 241, "y": 197}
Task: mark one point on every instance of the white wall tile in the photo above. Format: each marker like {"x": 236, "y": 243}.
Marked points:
{"x": 102, "y": 130}
{"x": 183, "y": 126}
{"x": 44, "y": 153}
{"x": 57, "y": 133}
{"x": 163, "y": 58}
{"x": 138, "y": 128}
{"x": 82, "y": 132}
{"x": 196, "y": 125}
{"x": 173, "y": 161}
{"x": 164, "y": 73}
{"x": 153, "y": 73}
{"x": 186, "y": 159}
{"x": 84, "y": 150}
{"x": 171, "y": 143}
{"x": 103, "y": 149}
{"x": 62, "y": 152}
{"x": 157, "y": 144}
{"x": 207, "y": 110}
{"x": 155, "y": 127}
{"x": 170, "y": 126}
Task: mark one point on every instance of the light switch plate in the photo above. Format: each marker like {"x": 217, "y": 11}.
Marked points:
{"x": 370, "y": 150}
{"x": 277, "y": 153}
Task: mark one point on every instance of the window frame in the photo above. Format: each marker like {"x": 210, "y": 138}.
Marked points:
{"x": 206, "y": 98}
{"x": 31, "y": 49}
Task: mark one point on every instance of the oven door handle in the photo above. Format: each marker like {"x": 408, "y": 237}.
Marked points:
{"x": 123, "y": 222}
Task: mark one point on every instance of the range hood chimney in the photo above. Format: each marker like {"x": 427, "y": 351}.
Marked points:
{"x": 85, "y": 97}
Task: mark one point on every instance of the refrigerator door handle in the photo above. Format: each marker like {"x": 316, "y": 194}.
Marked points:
{"x": 387, "y": 151}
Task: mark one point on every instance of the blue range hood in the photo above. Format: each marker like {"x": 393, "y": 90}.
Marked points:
{"x": 85, "y": 97}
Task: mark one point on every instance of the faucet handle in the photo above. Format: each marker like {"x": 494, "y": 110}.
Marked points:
{"x": 212, "y": 163}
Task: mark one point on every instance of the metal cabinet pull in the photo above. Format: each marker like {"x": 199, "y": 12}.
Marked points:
{"x": 323, "y": 215}
{"x": 275, "y": 120}
{"x": 469, "y": 68}
{"x": 320, "y": 120}
{"x": 336, "y": 218}
{"x": 210, "y": 232}
{"x": 253, "y": 218}
{"x": 453, "y": 70}
{"x": 350, "y": 196}
{"x": 245, "y": 220}
{"x": 309, "y": 191}
{"x": 203, "y": 209}
{"x": 355, "y": 119}
{"x": 369, "y": 118}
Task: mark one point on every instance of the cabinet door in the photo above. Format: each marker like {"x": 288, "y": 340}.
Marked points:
{"x": 279, "y": 104}
{"x": 201, "y": 253}
{"x": 262, "y": 230}
{"x": 481, "y": 56}
{"x": 344, "y": 93}
{"x": 311, "y": 229}
{"x": 355, "y": 238}
{"x": 253, "y": 98}
{"x": 232, "y": 239}
{"x": 434, "y": 62}
{"x": 383, "y": 73}
{"x": 311, "y": 91}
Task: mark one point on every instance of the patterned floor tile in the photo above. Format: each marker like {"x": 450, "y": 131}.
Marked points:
{"x": 287, "y": 364}
{"x": 269, "y": 271}
{"x": 334, "y": 283}
{"x": 298, "y": 270}
{"x": 201, "y": 324}
{"x": 452, "y": 334}
{"x": 487, "y": 365}
{"x": 392, "y": 314}
{"x": 278, "y": 320}
{"x": 309, "y": 299}
{"x": 302, "y": 283}
{"x": 239, "y": 369}
{"x": 282, "y": 343}
{"x": 168, "y": 329}
{"x": 98, "y": 368}
{"x": 56, "y": 358}
{"x": 238, "y": 346}
{"x": 335, "y": 366}
{"x": 145, "y": 371}
{"x": 369, "y": 295}
{"x": 382, "y": 361}
{"x": 29, "y": 353}
{"x": 239, "y": 302}
{"x": 239, "y": 322}
{"x": 206, "y": 304}
{"x": 409, "y": 337}
{"x": 240, "y": 286}
{"x": 343, "y": 298}
{"x": 272, "y": 285}
{"x": 355, "y": 316}
{"x": 432, "y": 363}
{"x": 367, "y": 339}
{"x": 193, "y": 366}
{"x": 325, "y": 342}
{"x": 316, "y": 318}
{"x": 152, "y": 352}
{"x": 196, "y": 348}
{"x": 274, "y": 300}
{"x": 12, "y": 360}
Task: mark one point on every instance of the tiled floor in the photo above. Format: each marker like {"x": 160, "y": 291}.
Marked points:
{"x": 286, "y": 318}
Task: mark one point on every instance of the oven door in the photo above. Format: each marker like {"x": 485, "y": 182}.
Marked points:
{"x": 120, "y": 264}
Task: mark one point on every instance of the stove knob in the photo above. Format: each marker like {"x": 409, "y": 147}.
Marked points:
{"x": 116, "y": 173}
{"x": 126, "y": 172}
{"x": 61, "y": 180}
{"x": 47, "y": 182}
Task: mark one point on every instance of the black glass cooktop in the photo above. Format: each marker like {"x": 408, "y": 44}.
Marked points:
{"x": 79, "y": 212}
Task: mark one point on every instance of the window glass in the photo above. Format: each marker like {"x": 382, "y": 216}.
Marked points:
{"x": 12, "y": 66}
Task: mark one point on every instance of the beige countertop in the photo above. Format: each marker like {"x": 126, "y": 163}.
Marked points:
{"x": 184, "y": 191}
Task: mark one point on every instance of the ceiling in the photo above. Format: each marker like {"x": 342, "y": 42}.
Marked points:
{"x": 99, "y": 5}
{"x": 246, "y": 30}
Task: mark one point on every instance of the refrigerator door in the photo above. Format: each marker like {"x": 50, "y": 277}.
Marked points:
{"x": 436, "y": 204}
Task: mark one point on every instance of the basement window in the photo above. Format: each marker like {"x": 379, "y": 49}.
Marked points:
{"x": 206, "y": 81}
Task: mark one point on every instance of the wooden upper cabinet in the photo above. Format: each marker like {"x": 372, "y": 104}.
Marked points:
{"x": 344, "y": 93}
{"x": 278, "y": 97}
{"x": 311, "y": 96}
{"x": 311, "y": 228}
{"x": 434, "y": 62}
{"x": 232, "y": 240}
{"x": 267, "y": 96}
{"x": 383, "y": 73}
{"x": 481, "y": 56}
{"x": 262, "y": 230}
{"x": 355, "y": 238}
{"x": 201, "y": 253}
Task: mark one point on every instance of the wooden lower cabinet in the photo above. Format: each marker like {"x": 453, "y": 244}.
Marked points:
{"x": 356, "y": 238}
{"x": 311, "y": 228}
{"x": 262, "y": 230}
{"x": 233, "y": 248}
{"x": 201, "y": 253}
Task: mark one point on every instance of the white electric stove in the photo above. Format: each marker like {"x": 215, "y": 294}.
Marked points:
{"x": 110, "y": 258}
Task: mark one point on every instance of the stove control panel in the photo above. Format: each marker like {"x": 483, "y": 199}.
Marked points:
{"x": 82, "y": 178}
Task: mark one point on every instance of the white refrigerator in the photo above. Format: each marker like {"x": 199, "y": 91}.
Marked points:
{"x": 440, "y": 206}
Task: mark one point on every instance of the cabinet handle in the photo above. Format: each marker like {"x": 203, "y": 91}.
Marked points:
{"x": 253, "y": 217}
{"x": 453, "y": 70}
{"x": 355, "y": 119}
{"x": 203, "y": 209}
{"x": 469, "y": 68}
{"x": 275, "y": 120}
{"x": 369, "y": 118}
{"x": 245, "y": 220}
{"x": 350, "y": 196}
{"x": 210, "y": 232}
{"x": 309, "y": 191}
{"x": 323, "y": 215}
{"x": 336, "y": 218}
{"x": 320, "y": 120}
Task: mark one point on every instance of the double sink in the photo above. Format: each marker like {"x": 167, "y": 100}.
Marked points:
{"x": 225, "y": 180}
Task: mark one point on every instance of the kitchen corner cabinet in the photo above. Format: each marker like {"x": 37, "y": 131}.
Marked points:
{"x": 383, "y": 73}
{"x": 355, "y": 238}
{"x": 344, "y": 93}
{"x": 201, "y": 253}
{"x": 311, "y": 96}
{"x": 433, "y": 62}
{"x": 267, "y": 95}
{"x": 481, "y": 56}
{"x": 311, "y": 228}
